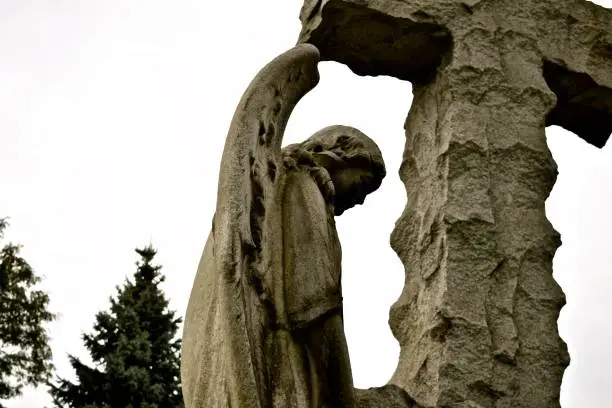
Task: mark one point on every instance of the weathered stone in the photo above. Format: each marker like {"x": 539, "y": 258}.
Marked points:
{"x": 477, "y": 319}
{"x": 389, "y": 396}
{"x": 410, "y": 39}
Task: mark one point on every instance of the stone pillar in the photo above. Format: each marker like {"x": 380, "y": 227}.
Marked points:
{"x": 477, "y": 319}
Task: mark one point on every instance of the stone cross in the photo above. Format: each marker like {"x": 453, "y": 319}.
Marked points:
{"x": 477, "y": 318}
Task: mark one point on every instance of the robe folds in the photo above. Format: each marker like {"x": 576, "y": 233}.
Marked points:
{"x": 307, "y": 361}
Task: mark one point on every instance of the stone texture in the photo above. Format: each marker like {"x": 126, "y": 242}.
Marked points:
{"x": 409, "y": 39}
{"x": 388, "y": 396}
{"x": 477, "y": 318}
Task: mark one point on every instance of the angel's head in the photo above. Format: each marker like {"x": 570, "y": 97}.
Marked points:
{"x": 351, "y": 159}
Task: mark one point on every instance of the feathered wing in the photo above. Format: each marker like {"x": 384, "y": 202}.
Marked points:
{"x": 237, "y": 294}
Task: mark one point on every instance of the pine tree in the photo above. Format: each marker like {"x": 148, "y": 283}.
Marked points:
{"x": 134, "y": 348}
{"x": 25, "y": 355}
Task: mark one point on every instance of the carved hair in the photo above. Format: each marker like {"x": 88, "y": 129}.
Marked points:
{"x": 343, "y": 146}
{"x": 295, "y": 157}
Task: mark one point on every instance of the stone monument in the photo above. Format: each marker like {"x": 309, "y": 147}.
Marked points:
{"x": 264, "y": 325}
{"x": 477, "y": 318}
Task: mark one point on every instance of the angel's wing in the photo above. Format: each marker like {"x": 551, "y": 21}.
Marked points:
{"x": 232, "y": 303}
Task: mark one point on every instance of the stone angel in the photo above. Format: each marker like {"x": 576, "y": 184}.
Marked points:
{"x": 264, "y": 324}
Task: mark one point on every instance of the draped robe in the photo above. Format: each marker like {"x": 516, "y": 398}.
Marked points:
{"x": 312, "y": 293}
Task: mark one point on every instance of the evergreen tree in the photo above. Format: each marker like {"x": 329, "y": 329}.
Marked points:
{"x": 25, "y": 355}
{"x": 134, "y": 348}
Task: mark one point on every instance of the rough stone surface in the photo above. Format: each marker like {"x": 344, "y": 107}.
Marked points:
{"x": 477, "y": 318}
{"x": 410, "y": 39}
{"x": 389, "y": 396}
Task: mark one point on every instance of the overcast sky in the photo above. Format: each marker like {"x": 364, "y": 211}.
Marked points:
{"x": 113, "y": 116}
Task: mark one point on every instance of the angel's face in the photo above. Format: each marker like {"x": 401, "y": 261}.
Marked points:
{"x": 351, "y": 185}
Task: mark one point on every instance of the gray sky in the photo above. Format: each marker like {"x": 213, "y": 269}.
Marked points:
{"x": 113, "y": 116}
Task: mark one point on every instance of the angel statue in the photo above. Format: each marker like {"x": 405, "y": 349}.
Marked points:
{"x": 264, "y": 325}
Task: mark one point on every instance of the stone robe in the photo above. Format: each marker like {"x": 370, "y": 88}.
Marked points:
{"x": 313, "y": 295}
{"x": 311, "y": 252}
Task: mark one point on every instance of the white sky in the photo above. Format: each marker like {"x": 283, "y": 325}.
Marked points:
{"x": 113, "y": 116}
